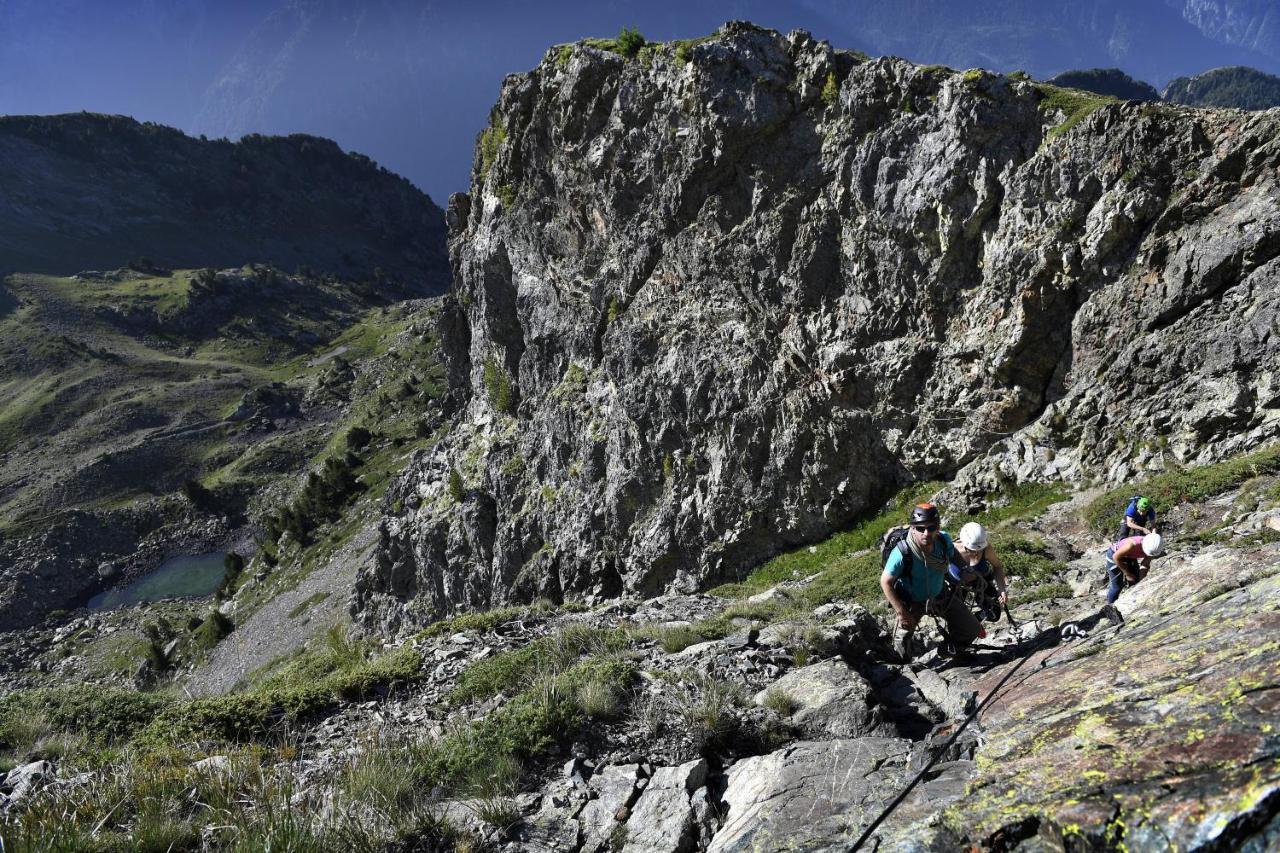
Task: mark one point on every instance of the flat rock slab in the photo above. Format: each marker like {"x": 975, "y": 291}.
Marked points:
{"x": 663, "y": 821}
{"x": 1165, "y": 734}
{"x": 952, "y": 694}
{"x": 812, "y": 795}
{"x": 833, "y": 700}
{"x": 613, "y": 789}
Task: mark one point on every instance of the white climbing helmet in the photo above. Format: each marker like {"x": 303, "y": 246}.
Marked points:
{"x": 1152, "y": 544}
{"x": 973, "y": 536}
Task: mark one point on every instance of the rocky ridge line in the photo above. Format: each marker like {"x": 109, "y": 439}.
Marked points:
{"x": 708, "y": 310}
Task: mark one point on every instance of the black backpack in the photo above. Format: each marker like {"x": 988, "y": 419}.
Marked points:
{"x": 896, "y": 538}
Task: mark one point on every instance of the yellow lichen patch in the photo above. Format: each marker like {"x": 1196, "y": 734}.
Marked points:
{"x": 1257, "y": 790}
{"x": 1091, "y": 728}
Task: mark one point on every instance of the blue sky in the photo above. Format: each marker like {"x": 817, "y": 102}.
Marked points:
{"x": 410, "y": 82}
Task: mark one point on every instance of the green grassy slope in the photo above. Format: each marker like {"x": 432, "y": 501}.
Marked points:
{"x": 119, "y": 388}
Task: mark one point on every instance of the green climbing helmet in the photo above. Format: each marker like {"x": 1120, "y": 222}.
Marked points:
{"x": 1143, "y": 504}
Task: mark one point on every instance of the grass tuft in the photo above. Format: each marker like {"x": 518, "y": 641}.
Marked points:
{"x": 1075, "y": 105}
{"x": 833, "y": 555}
{"x": 780, "y": 702}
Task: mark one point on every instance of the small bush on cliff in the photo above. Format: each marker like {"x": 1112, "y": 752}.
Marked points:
{"x": 321, "y": 499}
{"x": 830, "y": 90}
{"x": 456, "y": 487}
{"x": 213, "y": 629}
{"x": 232, "y": 568}
{"x": 358, "y": 438}
{"x": 491, "y": 139}
{"x": 629, "y": 41}
{"x": 200, "y": 497}
{"x": 498, "y": 385}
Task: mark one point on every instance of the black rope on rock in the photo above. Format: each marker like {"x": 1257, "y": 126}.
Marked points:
{"x": 897, "y": 801}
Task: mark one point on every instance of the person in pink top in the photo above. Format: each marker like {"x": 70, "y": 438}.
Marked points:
{"x": 1129, "y": 560}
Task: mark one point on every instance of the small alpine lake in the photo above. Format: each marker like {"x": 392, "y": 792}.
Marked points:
{"x": 178, "y": 577}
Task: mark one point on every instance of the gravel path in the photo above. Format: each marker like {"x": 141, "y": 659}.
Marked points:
{"x": 282, "y": 625}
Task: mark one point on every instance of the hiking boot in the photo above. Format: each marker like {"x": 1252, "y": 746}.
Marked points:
{"x": 902, "y": 645}
{"x": 1112, "y": 613}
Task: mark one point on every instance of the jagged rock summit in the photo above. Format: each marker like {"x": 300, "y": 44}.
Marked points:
{"x": 719, "y": 298}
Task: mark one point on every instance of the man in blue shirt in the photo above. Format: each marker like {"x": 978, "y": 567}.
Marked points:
{"x": 1139, "y": 518}
{"x": 913, "y": 581}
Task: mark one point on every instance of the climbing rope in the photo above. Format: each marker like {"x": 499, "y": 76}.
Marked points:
{"x": 866, "y": 834}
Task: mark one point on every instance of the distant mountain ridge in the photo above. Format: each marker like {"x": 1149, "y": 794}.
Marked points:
{"x": 1236, "y": 87}
{"x": 409, "y": 83}
{"x": 1251, "y": 24}
{"x": 1107, "y": 81}
{"x": 88, "y": 191}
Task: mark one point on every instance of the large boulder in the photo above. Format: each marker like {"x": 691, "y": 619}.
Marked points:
{"x": 665, "y": 819}
{"x": 830, "y": 700}
{"x": 811, "y": 795}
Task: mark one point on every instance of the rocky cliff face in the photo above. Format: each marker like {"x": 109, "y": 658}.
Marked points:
{"x": 708, "y": 309}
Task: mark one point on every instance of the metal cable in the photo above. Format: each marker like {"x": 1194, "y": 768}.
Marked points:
{"x": 866, "y": 834}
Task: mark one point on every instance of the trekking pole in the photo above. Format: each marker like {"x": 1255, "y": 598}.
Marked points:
{"x": 1009, "y": 616}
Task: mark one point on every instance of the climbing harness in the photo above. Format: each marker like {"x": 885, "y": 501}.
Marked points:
{"x": 866, "y": 834}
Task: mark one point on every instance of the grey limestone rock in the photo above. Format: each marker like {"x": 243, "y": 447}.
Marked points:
{"x": 664, "y": 819}
{"x": 809, "y": 796}
{"x": 832, "y": 700}
{"x": 704, "y": 313}
{"x": 22, "y": 780}
{"x": 613, "y": 788}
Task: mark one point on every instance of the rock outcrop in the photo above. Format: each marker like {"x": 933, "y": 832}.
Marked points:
{"x": 1147, "y": 727}
{"x": 720, "y": 299}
